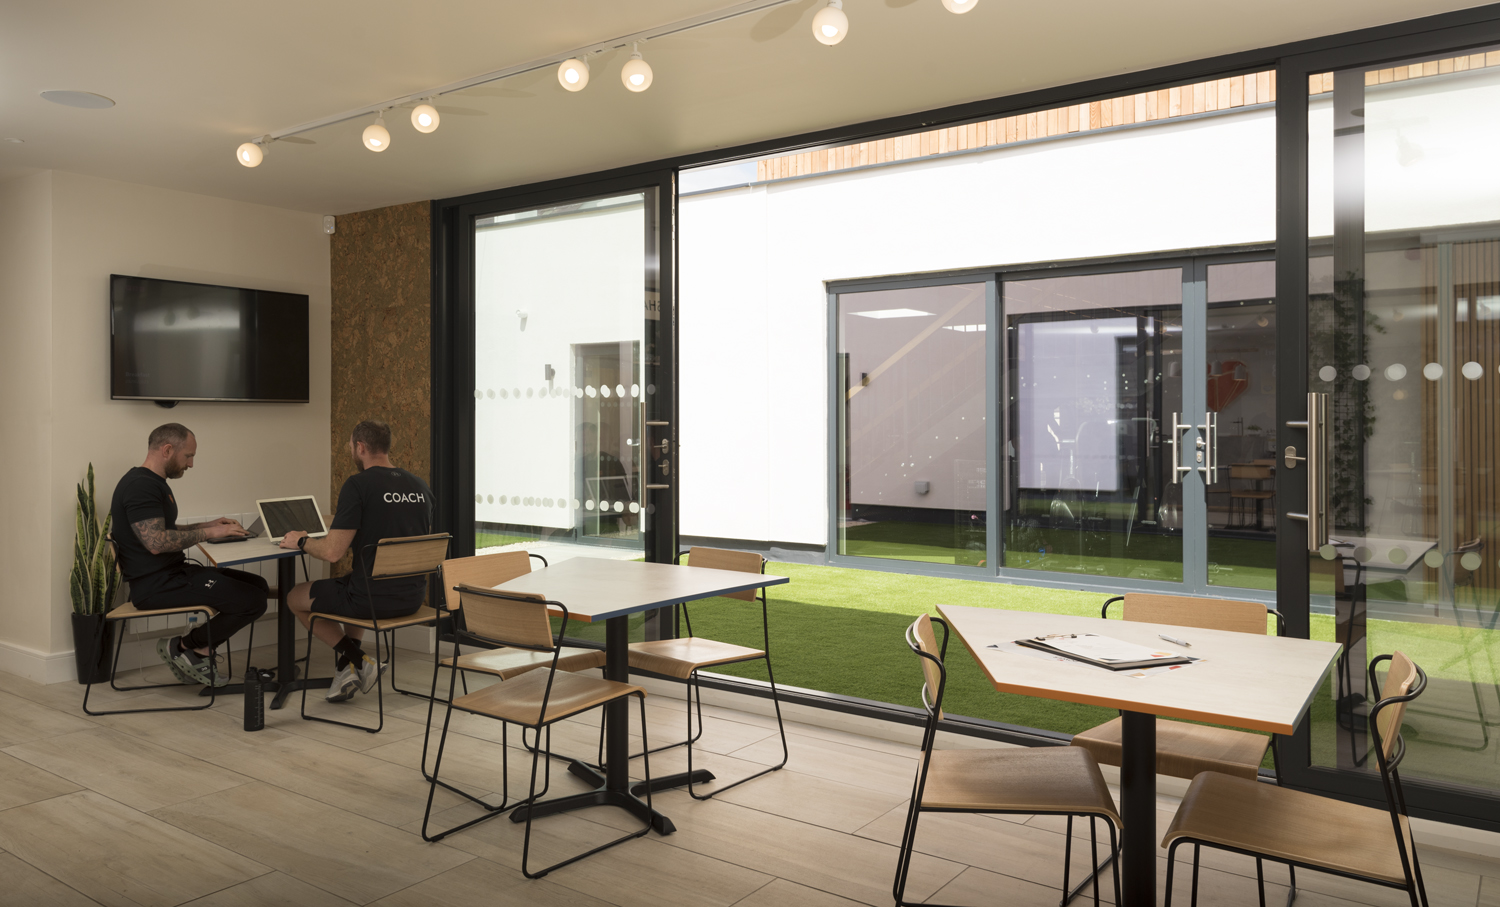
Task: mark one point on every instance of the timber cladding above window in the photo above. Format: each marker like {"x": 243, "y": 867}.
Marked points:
{"x": 1163, "y": 104}
{"x": 1214, "y": 96}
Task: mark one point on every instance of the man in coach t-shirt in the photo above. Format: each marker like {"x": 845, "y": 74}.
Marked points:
{"x": 380, "y": 501}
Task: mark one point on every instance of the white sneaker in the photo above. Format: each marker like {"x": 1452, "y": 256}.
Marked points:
{"x": 369, "y": 674}
{"x": 345, "y": 682}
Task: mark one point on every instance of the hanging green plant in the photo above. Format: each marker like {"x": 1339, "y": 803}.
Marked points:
{"x": 94, "y": 580}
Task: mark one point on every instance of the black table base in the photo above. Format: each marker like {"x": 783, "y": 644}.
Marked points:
{"x": 1138, "y": 809}
{"x": 287, "y": 682}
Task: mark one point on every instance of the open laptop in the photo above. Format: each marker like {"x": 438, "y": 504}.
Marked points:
{"x": 283, "y": 515}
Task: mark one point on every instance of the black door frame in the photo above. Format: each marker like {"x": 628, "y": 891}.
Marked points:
{"x": 453, "y": 347}
{"x": 1445, "y": 802}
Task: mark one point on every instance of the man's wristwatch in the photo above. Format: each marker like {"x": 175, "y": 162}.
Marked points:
{"x": 302, "y": 543}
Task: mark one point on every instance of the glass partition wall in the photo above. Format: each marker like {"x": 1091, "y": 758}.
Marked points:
{"x": 1404, "y": 333}
{"x": 562, "y": 298}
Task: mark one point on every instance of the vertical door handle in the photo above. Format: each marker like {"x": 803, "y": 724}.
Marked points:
{"x": 1319, "y": 496}
{"x": 1178, "y": 427}
{"x": 1210, "y": 429}
{"x": 665, "y": 463}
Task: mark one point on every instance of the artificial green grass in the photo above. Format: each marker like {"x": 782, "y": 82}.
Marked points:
{"x": 496, "y": 539}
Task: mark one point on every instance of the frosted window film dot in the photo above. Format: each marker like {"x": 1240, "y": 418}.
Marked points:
{"x": 604, "y": 391}
{"x": 1328, "y": 552}
{"x": 492, "y": 499}
{"x": 578, "y": 392}
{"x": 1363, "y": 554}
{"x": 635, "y": 390}
{"x": 563, "y": 503}
{"x": 1395, "y": 372}
{"x": 576, "y": 504}
{"x": 1433, "y": 558}
{"x": 1432, "y": 371}
{"x": 479, "y": 499}
{"x": 588, "y": 505}
{"x": 634, "y": 507}
{"x": 1397, "y": 555}
{"x": 517, "y": 392}
{"x": 619, "y": 506}
{"x": 620, "y": 391}
{"x": 1471, "y": 560}
{"x": 478, "y": 394}
{"x": 1328, "y": 373}
{"x": 1399, "y": 395}
{"x": 1360, "y": 372}
{"x": 650, "y": 388}
{"x": 503, "y": 499}
{"x": 546, "y": 502}
{"x": 528, "y": 392}
{"x": 591, "y": 392}
{"x": 504, "y": 394}
{"x": 1473, "y": 371}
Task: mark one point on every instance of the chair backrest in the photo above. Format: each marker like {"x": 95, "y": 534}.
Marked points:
{"x": 720, "y": 559}
{"x": 1250, "y": 472}
{"x": 1398, "y": 682}
{"x": 483, "y": 570}
{"x": 516, "y": 619}
{"x": 924, "y": 642}
{"x": 412, "y": 555}
{"x": 1204, "y": 613}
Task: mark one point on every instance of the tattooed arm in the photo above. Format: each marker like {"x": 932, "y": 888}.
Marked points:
{"x": 158, "y": 539}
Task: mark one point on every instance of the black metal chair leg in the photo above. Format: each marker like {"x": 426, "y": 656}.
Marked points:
{"x": 114, "y": 667}
{"x": 379, "y": 696}
{"x": 1171, "y": 864}
{"x": 1196, "y": 853}
{"x": 1260, "y": 880}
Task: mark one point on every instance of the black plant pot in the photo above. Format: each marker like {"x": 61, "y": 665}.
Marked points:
{"x": 93, "y": 646}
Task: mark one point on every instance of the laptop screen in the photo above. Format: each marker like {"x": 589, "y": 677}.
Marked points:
{"x": 292, "y": 515}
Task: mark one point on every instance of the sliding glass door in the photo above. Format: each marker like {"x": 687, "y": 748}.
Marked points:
{"x": 1404, "y": 342}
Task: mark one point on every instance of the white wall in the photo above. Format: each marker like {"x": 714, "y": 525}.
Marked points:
{"x": 92, "y": 228}
{"x": 753, "y": 264}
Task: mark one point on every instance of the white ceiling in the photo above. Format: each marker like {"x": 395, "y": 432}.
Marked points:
{"x": 193, "y": 79}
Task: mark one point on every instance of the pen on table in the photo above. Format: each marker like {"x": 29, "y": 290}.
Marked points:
{"x": 1174, "y": 640}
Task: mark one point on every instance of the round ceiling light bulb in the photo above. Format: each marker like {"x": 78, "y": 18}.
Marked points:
{"x": 959, "y": 6}
{"x": 573, "y": 74}
{"x": 376, "y": 137}
{"x": 830, "y": 25}
{"x": 637, "y": 73}
{"x": 424, "y": 118}
{"x": 249, "y": 154}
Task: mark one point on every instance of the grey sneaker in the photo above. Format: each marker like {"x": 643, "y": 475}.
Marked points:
{"x": 369, "y": 674}
{"x": 164, "y": 652}
{"x": 345, "y": 682}
{"x": 191, "y": 667}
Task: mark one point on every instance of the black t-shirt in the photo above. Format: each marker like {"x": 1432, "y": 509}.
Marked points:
{"x": 384, "y": 502}
{"x": 142, "y": 495}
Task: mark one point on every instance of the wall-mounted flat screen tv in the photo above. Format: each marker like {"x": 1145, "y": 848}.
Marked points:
{"x": 171, "y": 340}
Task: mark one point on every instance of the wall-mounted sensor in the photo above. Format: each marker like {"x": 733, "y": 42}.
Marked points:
{"x": 921, "y": 487}
{"x": 522, "y": 314}
{"x": 328, "y": 224}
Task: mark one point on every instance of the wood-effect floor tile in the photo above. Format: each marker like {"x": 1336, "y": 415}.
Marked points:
{"x": 481, "y": 883}
{"x": 22, "y": 720}
{"x": 274, "y": 889}
{"x": 22, "y": 783}
{"x": 330, "y": 848}
{"x": 24, "y": 884}
{"x": 781, "y": 893}
{"x": 120, "y": 856}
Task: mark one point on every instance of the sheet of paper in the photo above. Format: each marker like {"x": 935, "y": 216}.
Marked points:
{"x": 1106, "y": 648}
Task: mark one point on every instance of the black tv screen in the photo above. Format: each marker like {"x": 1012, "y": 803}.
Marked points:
{"x": 171, "y": 340}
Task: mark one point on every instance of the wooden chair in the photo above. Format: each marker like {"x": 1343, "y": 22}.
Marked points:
{"x": 685, "y": 656}
{"x": 398, "y": 558}
{"x": 128, "y": 611}
{"x": 1182, "y": 749}
{"x": 1243, "y": 497}
{"x": 537, "y": 699}
{"x": 1301, "y": 829}
{"x": 488, "y": 571}
{"x": 1040, "y": 780}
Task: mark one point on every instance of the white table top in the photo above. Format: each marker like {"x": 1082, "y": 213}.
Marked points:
{"x": 246, "y": 552}
{"x": 594, "y": 589}
{"x": 1262, "y": 683}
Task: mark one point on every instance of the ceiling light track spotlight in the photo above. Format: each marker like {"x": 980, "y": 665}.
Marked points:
{"x": 637, "y": 72}
{"x": 959, "y": 6}
{"x": 573, "y": 73}
{"x": 831, "y": 24}
{"x": 250, "y": 154}
{"x": 376, "y": 137}
{"x": 424, "y": 117}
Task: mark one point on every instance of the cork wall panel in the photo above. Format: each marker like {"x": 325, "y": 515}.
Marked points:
{"x": 381, "y": 282}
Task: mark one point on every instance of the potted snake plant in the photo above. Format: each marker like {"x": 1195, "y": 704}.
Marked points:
{"x": 93, "y": 583}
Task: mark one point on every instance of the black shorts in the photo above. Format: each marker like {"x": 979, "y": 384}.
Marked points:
{"x": 337, "y": 597}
